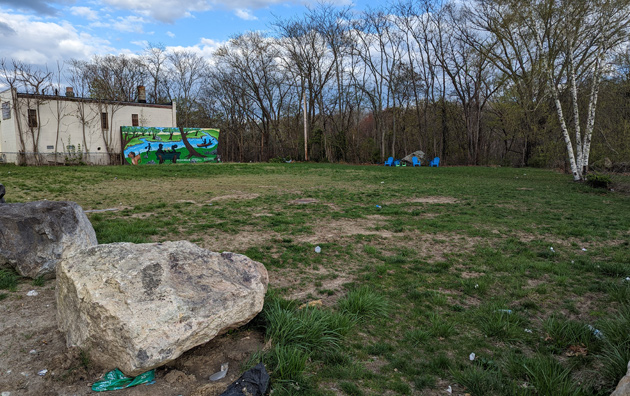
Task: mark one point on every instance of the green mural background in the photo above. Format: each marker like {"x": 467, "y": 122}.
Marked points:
{"x": 155, "y": 145}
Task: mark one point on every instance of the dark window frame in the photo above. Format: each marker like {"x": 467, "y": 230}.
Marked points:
{"x": 32, "y": 118}
{"x": 135, "y": 120}
{"x": 104, "y": 121}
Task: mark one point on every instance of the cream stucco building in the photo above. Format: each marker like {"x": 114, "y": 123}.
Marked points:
{"x": 53, "y": 129}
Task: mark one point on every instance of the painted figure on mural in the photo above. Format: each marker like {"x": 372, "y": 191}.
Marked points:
{"x": 135, "y": 159}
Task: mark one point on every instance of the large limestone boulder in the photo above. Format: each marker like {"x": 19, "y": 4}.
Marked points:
{"x": 420, "y": 154}
{"x": 35, "y": 236}
{"x": 137, "y": 307}
{"x": 623, "y": 388}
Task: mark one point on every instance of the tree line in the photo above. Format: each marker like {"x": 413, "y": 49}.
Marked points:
{"x": 506, "y": 82}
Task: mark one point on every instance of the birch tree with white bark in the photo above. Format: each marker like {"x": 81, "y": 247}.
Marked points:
{"x": 571, "y": 41}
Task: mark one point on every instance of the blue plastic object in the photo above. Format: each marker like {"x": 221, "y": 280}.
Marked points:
{"x": 415, "y": 161}
{"x": 390, "y": 161}
{"x": 435, "y": 162}
{"x": 397, "y": 163}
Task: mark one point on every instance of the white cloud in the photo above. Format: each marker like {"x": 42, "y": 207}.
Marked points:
{"x": 84, "y": 12}
{"x": 171, "y": 10}
{"x": 245, "y": 14}
{"x": 170, "y": 34}
{"x": 205, "y": 48}
{"x": 163, "y": 10}
{"x": 62, "y": 41}
{"x": 127, "y": 24}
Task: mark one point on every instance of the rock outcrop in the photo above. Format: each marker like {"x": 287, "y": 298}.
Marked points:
{"x": 623, "y": 388}
{"x": 137, "y": 307}
{"x": 419, "y": 154}
{"x": 35, "y": 236}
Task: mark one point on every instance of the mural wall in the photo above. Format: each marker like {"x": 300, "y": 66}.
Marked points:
{"x": 154, "y": 145}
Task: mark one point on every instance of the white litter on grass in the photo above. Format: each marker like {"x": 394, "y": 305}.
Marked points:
{"x": 33, "y": 352}
{"x": 598, "y": 334}
{"x": 6, "y": 393}
{"x": 551, "y": 248}
{"x": 477, "y": 286}
{"x": 220, "y": 374}
{"x": 449, "y": 389}
{"x": 318, "y": 249}
{"x": 584, "y": 249}
{"x": 381, "y": 182}
{"x": 472, "y": 356}
{"x": 42, "y": 372}
{"x": 528, "y": 331}
{"x": 627, "y": 278}
{"x": 32, "y": 293}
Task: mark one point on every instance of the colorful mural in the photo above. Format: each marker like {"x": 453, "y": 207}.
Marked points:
{"x": 154, "y": 145}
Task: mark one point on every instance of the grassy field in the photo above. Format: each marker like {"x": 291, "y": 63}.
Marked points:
{"x": 419, "y": 268}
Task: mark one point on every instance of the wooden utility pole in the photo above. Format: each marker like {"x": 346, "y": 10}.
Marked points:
{"x": 305, "y": 129}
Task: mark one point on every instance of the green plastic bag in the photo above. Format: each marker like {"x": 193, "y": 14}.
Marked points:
{"x": 115, "y": 380}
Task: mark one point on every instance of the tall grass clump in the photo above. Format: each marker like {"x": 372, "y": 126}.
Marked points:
{"x": 549, "y": 377}
{"x": 565, "y": 332}
{"x": 615, "y": 353}
{"x": 364, "y": 304}
{"x": 8, "y": 280}
{"x": 298, "y": 336}
{"x": 306, "y": 329}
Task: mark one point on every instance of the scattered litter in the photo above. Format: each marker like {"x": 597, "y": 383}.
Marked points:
{"x": 32, "y": 293}
{"x": 253, "y": 382}
{"x": 449, "y": 389}
{"x": 551, "y": 248}
{"x": 6, "y": 393}
{"x": 24, "y": 373}
{"x": 627, "y": 278}
{"x": 472, "y": 356}
{"x": 220, "y": 374}
{"x": 572, "y": 261}
{"x": 42, "y": 372}
{"x": 378, "y": 206}
{"x": 528, "y": 331}
{"x": 476, "y": 285}
{"x": 576, "y": 350}
{"x": 33, "y": 352}
{"x": 381, "y": 182}
{"x": 318, "y": 249}
{"x": 115, "y": 380}
{"x": 584, "y": 249}
{"x": 508, "y": 311}
{"x": 598, "y": 334}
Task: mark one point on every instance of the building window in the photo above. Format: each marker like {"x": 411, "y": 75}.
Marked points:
{"x": 104, "y": 124}
{"x": 32, "y": 118}
{"x": 134, "y": 120}
{"x": 6, "y": 110}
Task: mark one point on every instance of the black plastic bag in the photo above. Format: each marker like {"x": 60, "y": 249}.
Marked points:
{"x": 255, "y": 381}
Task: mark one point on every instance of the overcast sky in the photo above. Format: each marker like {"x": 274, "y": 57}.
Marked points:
{"x": 44, "y": 31}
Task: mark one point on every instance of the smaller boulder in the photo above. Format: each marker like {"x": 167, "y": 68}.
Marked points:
{"x": 35, "y": 236}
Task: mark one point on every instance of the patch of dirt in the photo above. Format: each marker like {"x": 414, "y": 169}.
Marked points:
{"x": 234, "y": 197}
{"x": 432, "y": 200}
{"x": 304, "y": 201}
{"x": 30, "y": 342}
{"x": 470, "y": 275}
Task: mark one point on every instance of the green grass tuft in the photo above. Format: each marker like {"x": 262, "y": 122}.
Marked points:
{"x": 8, "y": 280}
{"x": 364, "y": 303}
